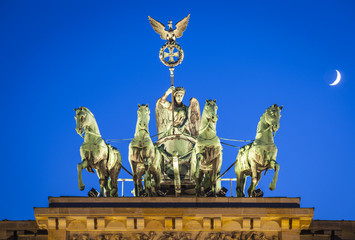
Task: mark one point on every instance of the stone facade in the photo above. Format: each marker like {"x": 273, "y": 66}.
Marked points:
{"x": 170, "y": 218}
{"x": 174, "y": 218}
{"x": 332, "y": 230}
{"x": 28, "y": 230}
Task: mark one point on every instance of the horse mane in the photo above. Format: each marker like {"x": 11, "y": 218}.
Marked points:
{"x": 262, "y": 120}
{"x": 203, "y": 120}
{"x": 137, "y": 128}
{"x": 87, "y": 110}
{"x": 92, "y": 115}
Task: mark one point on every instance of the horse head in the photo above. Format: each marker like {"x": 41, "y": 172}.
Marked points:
{"x": 272, "y": 117}
{"x": 210, "y": 111}
{"x": 83, "y": 118}
{"x": 143, "y": 117}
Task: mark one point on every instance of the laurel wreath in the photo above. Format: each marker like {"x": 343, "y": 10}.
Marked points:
{"x": 170, "y": 45}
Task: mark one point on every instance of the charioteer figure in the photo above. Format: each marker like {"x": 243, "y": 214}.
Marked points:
{"x": 186, "y": 118}
{"x": 177, "y": 137}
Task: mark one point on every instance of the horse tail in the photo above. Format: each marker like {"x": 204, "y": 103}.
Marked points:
{"x": 113, "y": 157}
{"x": 243, "y": 157}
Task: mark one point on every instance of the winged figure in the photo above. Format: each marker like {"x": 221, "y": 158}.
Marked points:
{"x": 170, "y": 34}
{"x": 187, "y": 119}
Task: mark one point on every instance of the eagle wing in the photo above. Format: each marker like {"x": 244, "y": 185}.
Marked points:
{"x": 158, "y": 27}
{"x": 181, "y": 26}
{"x": 194, "y": 117}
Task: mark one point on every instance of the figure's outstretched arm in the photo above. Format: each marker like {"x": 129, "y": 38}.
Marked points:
{"x": 165, "y": 96}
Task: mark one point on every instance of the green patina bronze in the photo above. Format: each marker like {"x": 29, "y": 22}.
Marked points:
{"x": 259, "y": 155}
{"x": 144, "y": 157}
{"x": 187, "y": 157}
{"x": 207, "y": 155}
{"x": 176, "y": 139}
{"x": 96, "y": 154}
{"x": 186, "y": 118}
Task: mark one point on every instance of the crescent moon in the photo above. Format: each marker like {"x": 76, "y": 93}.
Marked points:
{"x": 337, "y": 80}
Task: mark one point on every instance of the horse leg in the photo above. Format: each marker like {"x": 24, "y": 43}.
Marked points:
{"x": 240, "y": 177}
{"x": 244, "y": 180}
{"x": 113, "y": 175}
{"x": 106, "y": 187}
{"x": 198, "y": 183}
{"x": 254, "y": 180}
{"x": 103, "y": 183}
{"x": 135, "y": 179}
{"x": 217, "y": 173}
{"x": 195, "y": 166}
{"x": 258, "y": 177}
{"x": 276, "y": 166}
{"x": 80, "y": 167}
{"x": 213, "y": 177}
{"x": 157, "y": 181}
{"x": 240, "y": 183}
{"x": 154, "y": 172}
{"x": 199, "y": 174}
{"x": 113, "y": 179}
{"x": 147, "y": 181}
{"x": 140, "y": 172}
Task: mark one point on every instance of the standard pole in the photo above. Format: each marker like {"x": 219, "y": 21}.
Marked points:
{"x": 172, "y": 97}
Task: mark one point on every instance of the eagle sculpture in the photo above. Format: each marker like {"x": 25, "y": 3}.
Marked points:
{"x": 170, "y": 34}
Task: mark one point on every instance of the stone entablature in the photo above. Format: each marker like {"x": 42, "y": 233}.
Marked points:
{"x": 173, "y": 218}
{"x": 318, "y": 230}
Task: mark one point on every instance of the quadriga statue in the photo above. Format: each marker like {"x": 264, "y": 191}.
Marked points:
{"x": 259, "y": 155}
{"x": 144, "y": 157}
{"x": 96, "y": 154}
{"x": 208, "y": 151}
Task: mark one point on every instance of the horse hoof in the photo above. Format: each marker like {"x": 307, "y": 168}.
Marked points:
{"x": 160, "y": 193}
{"x": 272, "y": 187}
{"x": 81, "y": 187}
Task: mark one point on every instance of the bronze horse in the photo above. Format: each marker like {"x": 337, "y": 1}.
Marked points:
{"x": 208, "y": 150}
{"x": 259, "y": 155}
{"x": 96, "y": 154}
{"x": 144, "y": 156}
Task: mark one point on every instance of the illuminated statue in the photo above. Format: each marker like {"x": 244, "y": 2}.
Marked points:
{"x": 177, "y": 137}
{"x": 170, "y": 34}
{"x": 186, "y": 119}
{"x": 144, "y": 157}
{"x": 96, "y": 154}
{"x": 208, "y": 151}
{"x": 259, "y": 155}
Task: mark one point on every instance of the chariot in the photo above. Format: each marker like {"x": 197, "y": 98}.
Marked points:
{"x": 176, "y": 153}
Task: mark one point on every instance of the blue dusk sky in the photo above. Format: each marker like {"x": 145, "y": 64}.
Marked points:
{"x": 248, "y": 55}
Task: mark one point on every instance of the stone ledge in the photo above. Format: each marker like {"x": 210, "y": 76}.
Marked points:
{"x": 172, "y": 202}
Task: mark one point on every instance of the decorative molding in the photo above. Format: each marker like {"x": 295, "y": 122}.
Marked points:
{"x": 178, "y": 235}
{"x": 239, "y": 236}
{"x": 118, "y": 236}
{"x": 145, "y": 236}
